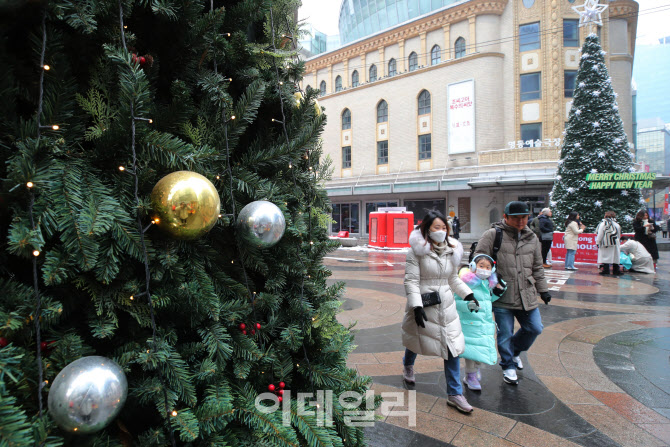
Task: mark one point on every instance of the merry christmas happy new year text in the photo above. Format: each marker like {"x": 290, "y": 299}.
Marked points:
{"x": 621, "y": 180}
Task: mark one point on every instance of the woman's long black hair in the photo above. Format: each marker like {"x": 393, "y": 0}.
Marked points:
{"x": 427, "y": 221}
{"x": 640, "y": 215}
{"x": 572, "y": 217}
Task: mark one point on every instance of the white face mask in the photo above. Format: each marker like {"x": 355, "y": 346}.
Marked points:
{"x": 438, "y": 236}
{"x": 483, "y": 273}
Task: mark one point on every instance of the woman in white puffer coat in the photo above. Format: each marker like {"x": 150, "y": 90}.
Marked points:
{"x": 432, "y": 266}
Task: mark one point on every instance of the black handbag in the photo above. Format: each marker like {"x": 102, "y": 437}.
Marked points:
{"x": 430, "y": 299}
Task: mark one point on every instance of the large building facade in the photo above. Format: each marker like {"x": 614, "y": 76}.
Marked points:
{"x": 653, "y": 139}
{"x": 461, "y": 108}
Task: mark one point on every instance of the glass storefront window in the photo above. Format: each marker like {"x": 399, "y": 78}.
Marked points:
{"x": 421, "y": 207}
{"x": 346, "y": 217}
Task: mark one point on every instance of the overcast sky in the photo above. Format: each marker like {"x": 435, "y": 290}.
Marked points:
{"x": 653, "y": 21}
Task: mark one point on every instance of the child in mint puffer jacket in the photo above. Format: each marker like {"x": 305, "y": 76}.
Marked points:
{"x": 478, "y": 327}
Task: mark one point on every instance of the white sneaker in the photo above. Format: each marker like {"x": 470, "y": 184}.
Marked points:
{"x": 509, "y": 376}
{"x": 517, "y": 360}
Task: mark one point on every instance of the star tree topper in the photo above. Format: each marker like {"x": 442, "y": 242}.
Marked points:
{"x": 590, "y": 12}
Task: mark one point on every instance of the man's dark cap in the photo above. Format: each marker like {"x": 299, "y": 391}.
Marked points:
{"x": 516, "y": 209}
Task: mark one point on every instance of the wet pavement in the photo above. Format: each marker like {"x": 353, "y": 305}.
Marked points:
{"x": 598, "y": 375}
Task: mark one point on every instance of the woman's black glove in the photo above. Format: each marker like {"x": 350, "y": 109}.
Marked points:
{"x": 420, "y": 316}
{"x": 475, "y": 304}
{"x": 546, "y": 297}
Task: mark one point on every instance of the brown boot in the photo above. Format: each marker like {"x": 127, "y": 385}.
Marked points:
{"x": 547, "y": 266}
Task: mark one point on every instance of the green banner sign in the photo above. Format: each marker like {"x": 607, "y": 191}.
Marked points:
{"x": 621, "y": 180}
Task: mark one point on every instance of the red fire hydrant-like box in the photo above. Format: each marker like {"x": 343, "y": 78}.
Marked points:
{"x": 390, "y": 229}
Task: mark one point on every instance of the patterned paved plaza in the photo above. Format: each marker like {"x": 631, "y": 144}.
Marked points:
{"x": 598, "y": 375}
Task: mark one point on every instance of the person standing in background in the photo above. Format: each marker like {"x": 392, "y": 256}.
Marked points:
{"x": 571, "y": 239}
{"x": 645, "y": 233}
{"x": 456, "y": 226}
{"x": 608, "y": 235}
{"x": 546, "y": 227}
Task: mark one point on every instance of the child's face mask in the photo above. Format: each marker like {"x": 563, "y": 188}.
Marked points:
{"x": 483, "y": 273}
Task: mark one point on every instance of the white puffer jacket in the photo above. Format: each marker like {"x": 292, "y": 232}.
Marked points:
{"x": 426, "y": 272}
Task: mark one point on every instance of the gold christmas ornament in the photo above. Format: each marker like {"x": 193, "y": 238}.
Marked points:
{"x": 297, "y": 96}
{"x": 186, "y": 205}
{"x": 317, "y": 107}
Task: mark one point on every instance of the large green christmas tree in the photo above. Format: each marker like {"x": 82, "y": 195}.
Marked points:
{"x": 102, "y": 99}
{"x": 595, "y": 142}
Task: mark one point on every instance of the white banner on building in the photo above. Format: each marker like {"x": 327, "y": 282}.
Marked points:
{"x": 461, "y": 117}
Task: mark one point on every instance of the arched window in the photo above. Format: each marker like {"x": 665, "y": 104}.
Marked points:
{"x": 338, "y": 83}
{"x": 322, "y": 88}
{"x": 354, "y": 78}
{"x": 435, "y": 55}
{"x": 424, "y": 102}
{"x": 392, "y": 70}
{"x": 346, "y": 119}
{"x": 459, "y": 46}
{"x": 382, "y": 112}
{"x": 413, "y": 61}
{"x": 373, "y": 73}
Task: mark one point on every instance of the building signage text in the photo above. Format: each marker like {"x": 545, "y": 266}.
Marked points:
{"x": 461, "y": 117}
{"x": 621, "y": 180}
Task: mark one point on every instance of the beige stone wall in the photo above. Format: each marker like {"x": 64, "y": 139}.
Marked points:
{"x": 488, "y": 33}
{"x": 460, "y": 29}
{"x": 401, "y": 94}
{"x": 433, "y": 38}
{"x": 508, "y": 76}
{"x": 495, "y": 68}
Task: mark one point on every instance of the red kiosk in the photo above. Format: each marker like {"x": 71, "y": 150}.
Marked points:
{"x": 390, "y": 229}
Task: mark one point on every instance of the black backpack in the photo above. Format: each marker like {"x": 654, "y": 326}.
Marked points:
{"x": 496, "y": 246}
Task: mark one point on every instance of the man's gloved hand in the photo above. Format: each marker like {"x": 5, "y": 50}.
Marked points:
{"x": 546, "y": 297}
{"x": 497, "y": 291}
{"x": 474, "y": 304}
{"x": 500, "y": 291}
{"x": 420, "y": 316}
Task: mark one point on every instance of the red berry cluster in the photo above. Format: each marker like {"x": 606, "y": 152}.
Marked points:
{"x": 3, "y": 342}
{"x": 142, "y": 60}
{"x": 278, "y": 390}
{"x": 254, "y": 328}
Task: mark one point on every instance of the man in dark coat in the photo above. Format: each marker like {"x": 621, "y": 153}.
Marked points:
{"x": 519, "y": 263}
{"x": 456, "y": 227}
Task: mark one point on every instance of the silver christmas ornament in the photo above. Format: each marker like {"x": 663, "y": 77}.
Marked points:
{"x": 261, "y": 223}
{"x": 87, "y": 394}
